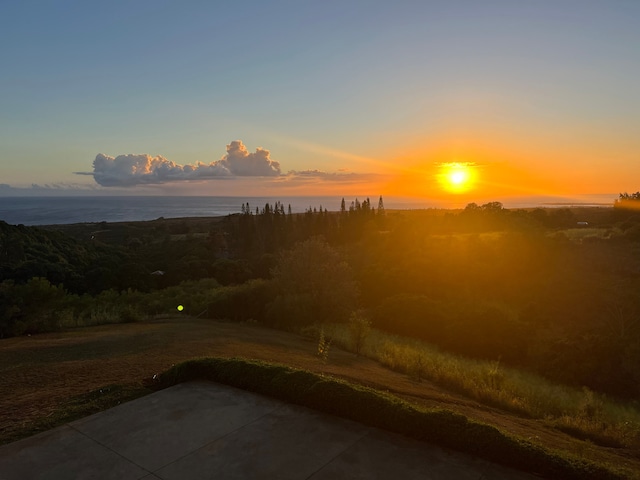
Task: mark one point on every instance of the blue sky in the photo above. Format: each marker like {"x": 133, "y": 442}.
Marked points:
{"x": 540, "y": 95}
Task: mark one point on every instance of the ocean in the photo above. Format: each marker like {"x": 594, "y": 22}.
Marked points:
{"x": 37, "y": 210}
{"x": 92, "y": 209}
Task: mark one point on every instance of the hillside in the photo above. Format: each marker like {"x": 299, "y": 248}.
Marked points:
{"x": 54, "y": 377}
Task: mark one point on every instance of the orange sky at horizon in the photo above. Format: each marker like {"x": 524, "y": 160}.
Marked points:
{"x": 498, "y": 173}
{"x": 507, "y": 166}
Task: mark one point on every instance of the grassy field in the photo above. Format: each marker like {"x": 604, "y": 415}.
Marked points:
{"x": 579, "y": 412}
{"x": 52, "y": 378}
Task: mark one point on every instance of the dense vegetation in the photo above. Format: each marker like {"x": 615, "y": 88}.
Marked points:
{"x": 553, "y": 291}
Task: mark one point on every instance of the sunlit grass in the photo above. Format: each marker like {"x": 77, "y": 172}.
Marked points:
{"x": 579, "y": 234}
{"x": 580, "y": 412}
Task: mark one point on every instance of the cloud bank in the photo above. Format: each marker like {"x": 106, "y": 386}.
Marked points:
{"x": 142, "y": 169}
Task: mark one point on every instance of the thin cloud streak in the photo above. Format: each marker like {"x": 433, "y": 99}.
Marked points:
{"x": 317, "y": 148}
{"x": 317, "y": 176}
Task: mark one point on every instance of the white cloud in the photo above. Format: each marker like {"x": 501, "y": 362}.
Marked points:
{"x": 242, "y": 163}
{"x": 142, "y": 169}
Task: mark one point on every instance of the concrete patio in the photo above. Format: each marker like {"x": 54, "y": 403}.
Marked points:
{"x": 204, "y": 430}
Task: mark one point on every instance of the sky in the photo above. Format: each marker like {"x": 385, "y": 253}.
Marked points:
{"x": 520, "y": 98}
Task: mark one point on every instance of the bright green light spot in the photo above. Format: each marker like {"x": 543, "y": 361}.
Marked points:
{"x": 180, "y": 308}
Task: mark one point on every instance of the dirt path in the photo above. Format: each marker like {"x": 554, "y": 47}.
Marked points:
{"x": 39, "y": 374}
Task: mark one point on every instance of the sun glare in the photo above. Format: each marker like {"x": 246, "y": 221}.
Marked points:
{"x": 456, "y": 177}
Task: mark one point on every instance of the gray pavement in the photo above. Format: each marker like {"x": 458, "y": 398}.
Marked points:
{"x": 204, "y": 430}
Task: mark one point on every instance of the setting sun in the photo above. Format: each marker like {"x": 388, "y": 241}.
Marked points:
{"x": 456, "y": 177}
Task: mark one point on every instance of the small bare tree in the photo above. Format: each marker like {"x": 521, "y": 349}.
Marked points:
{"x": 359, "y": 328}
{"x": 324, "y": 344}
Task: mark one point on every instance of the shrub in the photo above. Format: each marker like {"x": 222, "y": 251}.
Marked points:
{"x": 130, "y": 314}
{"x": 241, "y": 302}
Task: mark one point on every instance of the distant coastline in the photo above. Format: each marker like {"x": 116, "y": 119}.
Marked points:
{"x": 577, "y": 204}
{"x": 41, "y": 210}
